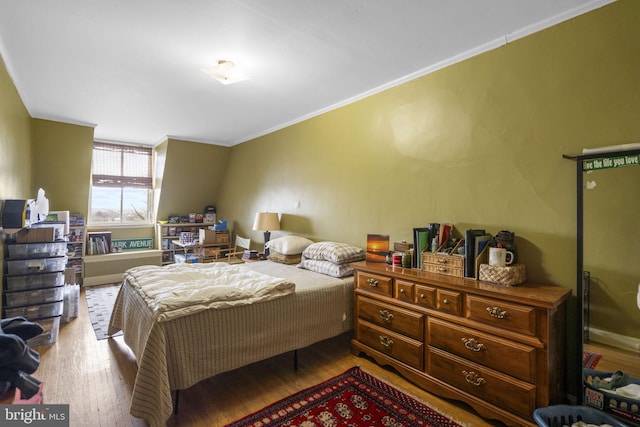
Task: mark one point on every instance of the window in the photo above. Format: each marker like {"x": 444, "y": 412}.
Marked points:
{"x": 121, "y": 184}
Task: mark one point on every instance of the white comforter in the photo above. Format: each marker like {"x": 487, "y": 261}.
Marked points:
{"x": 176, "y": 290}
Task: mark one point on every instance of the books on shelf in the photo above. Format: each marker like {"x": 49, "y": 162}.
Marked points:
{"x": 471, "y": 249}
{"x": 430, "y": 238}
{"x": 98, "y": 242}
{"x": 76, "y": 220}
{"x": 420, "y": 243}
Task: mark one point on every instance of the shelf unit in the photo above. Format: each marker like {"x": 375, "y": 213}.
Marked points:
{"x": 34, "y": 284}
{"x": 168, "y": 236}
{"x": 98, "y": 243}
{"x": 75, "y": 250}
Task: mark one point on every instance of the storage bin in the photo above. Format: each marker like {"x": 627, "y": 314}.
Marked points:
{"x": 34, "y": 281}
{"x": 36, "y": 312}
{"x": 34, "y": 296}
{"x": 51, "y": 328}
{"x": 28, "y": 266}
{"x": 622, "y": 406}
{"x": 37, "y": 250}
{"x": 560, "y": 415}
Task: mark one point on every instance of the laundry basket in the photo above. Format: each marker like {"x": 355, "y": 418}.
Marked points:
{"x": 560, "y": 415}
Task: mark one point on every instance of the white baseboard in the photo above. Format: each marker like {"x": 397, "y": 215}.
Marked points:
{"x": 615, "y": 340}
{"x": 109, "y": 268}
{"x": 102, "y": 280}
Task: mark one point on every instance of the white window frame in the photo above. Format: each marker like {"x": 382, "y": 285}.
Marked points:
{"x": 122, "y": 181}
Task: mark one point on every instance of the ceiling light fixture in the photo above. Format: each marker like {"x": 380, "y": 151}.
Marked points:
{"x": 225, "y": 72}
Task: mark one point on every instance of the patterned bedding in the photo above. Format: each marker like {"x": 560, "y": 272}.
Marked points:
{"x": 179, "y": 352}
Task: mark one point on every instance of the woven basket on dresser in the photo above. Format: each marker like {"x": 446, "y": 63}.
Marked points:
{"x": 511, "y": 275}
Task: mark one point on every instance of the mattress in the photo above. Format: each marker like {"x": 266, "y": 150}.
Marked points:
{"x": 180, "y": 352}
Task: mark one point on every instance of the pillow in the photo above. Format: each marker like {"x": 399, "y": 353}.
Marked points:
{"x": 284, "y": 259}
{"x": 326, "y": 267}
{"x": 289, "y": 245}
{"x": 338, "y": 253}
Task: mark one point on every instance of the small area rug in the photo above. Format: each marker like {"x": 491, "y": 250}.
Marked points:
{"x": 100, "y": 301}
{"x": 355, "y": 398}
{"x": 590, "y": 359}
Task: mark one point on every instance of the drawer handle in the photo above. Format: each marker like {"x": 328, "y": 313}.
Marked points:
{"x": 386, "y": 341}
{"x": 372, "y": 282}
{"x": 497, "y": 312}
{"x": 472, "y": 344}
{"x": 442, "y": 260}
{"x": 423, "y": 296}
{"x": 445, "y": 301}
{"x": 473, "y": 378}
{"x": 442, "y": 269}
{"x": 386, "y": 316}
{"x": 402, "y": 291}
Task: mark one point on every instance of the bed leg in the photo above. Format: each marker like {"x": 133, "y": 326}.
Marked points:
{"x": 295, "y": 360}
{"x": 175, "y": 403}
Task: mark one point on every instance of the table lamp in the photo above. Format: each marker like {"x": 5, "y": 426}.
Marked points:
{"x": 266, "y": 221}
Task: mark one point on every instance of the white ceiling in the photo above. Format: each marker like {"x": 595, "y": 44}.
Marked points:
{"x": 133, "y": 68}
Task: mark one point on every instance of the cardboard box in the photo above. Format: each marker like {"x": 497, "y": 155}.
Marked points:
{"x": 402, "y": 246}
{"x": 22, "y": 236}
{"x": 206, "y": 236}
{"x": 45, "y": 234}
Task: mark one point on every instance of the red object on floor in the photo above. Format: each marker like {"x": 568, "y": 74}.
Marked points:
{"x": 353, "y": 398}
{"x": 590, "y": 359}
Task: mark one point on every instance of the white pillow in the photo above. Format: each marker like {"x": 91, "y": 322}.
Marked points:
{"x": 289, "y": 245}
{"x": 326, "y": 267}
{"x": 336, "y": 252}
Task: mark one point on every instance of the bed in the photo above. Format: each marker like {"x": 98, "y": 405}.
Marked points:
{"x": 175, "y": 352}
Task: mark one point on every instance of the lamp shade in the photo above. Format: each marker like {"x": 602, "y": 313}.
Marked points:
{"x": 266, "y": 221}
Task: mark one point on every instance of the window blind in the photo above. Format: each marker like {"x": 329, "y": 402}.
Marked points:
{"x": 121, "y": 166}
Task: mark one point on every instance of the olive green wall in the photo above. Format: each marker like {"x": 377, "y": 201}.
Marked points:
{"x": 478, "y": 144}
{"x": 15, "y": 146}
{"x": 62, "y": 164}
{"x": 15, "y": 142}
{"x": 191, "y": 176}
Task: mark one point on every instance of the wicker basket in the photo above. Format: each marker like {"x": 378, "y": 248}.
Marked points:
{"x": 507, "y": 276}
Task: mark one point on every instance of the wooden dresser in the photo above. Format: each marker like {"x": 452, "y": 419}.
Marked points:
{"x": 500, "y": 349}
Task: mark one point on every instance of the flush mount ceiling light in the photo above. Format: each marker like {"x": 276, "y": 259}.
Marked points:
{"x": 225, "y": 72}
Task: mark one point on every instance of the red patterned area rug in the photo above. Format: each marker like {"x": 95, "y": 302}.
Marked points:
{"x": 355, "y": 398}
{"x": 590, "y": 359}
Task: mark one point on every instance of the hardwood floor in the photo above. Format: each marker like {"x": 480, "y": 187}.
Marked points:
{"x": 615, "y": 359}
{"x": 96, "y": 378}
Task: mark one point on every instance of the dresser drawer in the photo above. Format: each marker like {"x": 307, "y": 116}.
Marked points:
{"x": 404, "y": 290}
{"x": 450, "y": 265}
{"x": 492, "y": 386}
{"x": 397, "y": 319}
{"x": 518, "y": 318}
{"x": 444, "y": 260}
{"x": 425, "y": 296}
{"x": 395, "y": 345}
{"x": 449, "y": 301}
{"x": 374, "y": 283}
{"x": 502, "y": 355}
